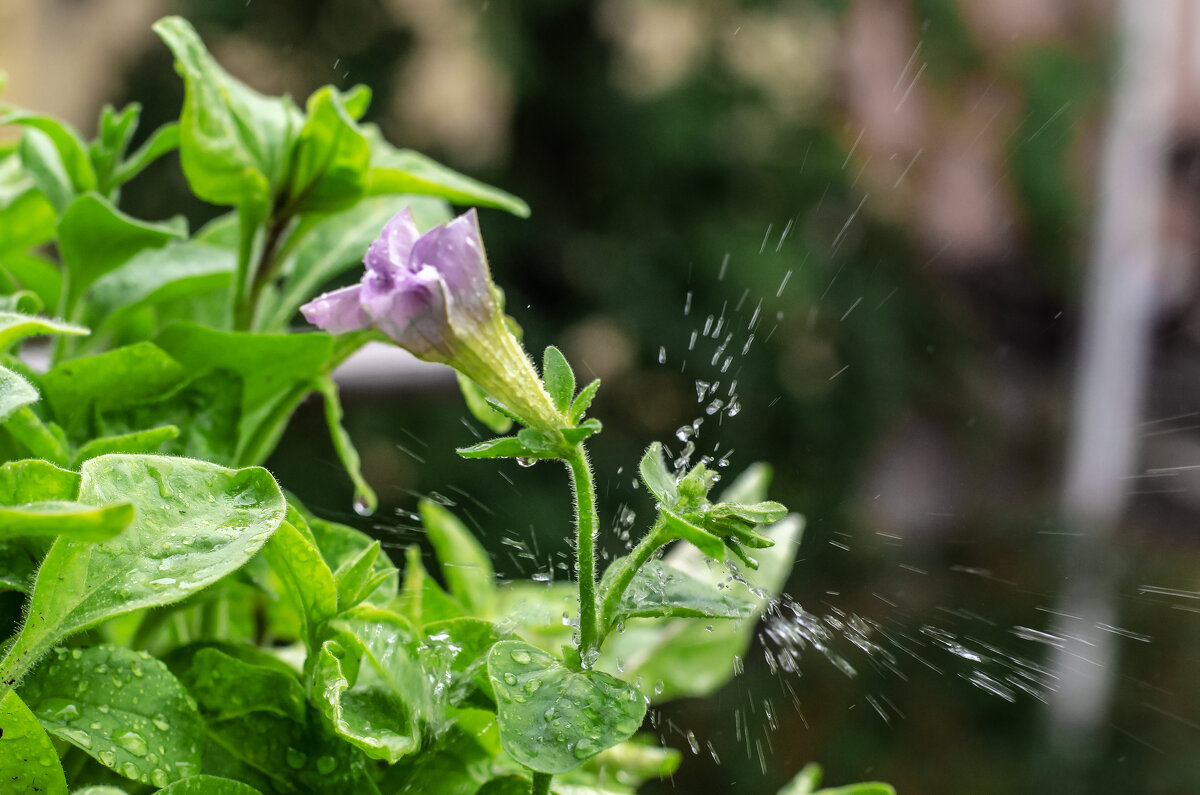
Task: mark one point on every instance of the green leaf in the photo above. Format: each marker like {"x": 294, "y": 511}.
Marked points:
{"x": 364, "y": 496}
{"x": 681, "y": 657}
{"x": 231, "y": 681}
{"x": 101, "y": 790}
{"x": 26, "y": 218}
{"x": 55, "y": 155}
{"x": 750, "y": 486}
{"x": 552, "y": 718}
{"x": 121, "y": 707}
{"x": 15, "y": 392}
{"x": 234, "y": 143}
{"x": 94, "y": 237}
{"x": 455, "y": 650}
{"x": 703, "y": 540}
{"x": 559, "y": 378}
{"x": 16, "y": 326}
{"x": 808, "y": 779}
{"x": 116, "y": 131}
{"x": 659, "y": 590}
{"x": 23, "y": 482}
{"x": 372, "y": 686}
{"x": 657, "y": 477}
{"x": 69, "y": 519}
{"x": 539, "y": 612}
{"x": 28, "y": 762}
{"x": 330, "y": 162}
{"x": 405, "y": 171}
{"x": 196, "y": 522}
{"x": 632, "y": 763}
{"x": 421, "y": 599}
{"x": 269, "y": 364}
{"x": 113, "y": 380}
{"x": 578, "y": 434}
{"x": 341, "y": 546}
{"x": 155, "y": 276}
{"x": 477, "y": 404}
{"x": 465, "y": 564}
{"x": 46, "y": 169}
{"x": 44, "y": 440}
{"x": 147, "y": 441}
{"x": 356, "y": 578}
{"x": 34, "y": 273}
{"x": 287, "y": 755}
{"x": 506, "y": 447}
{"x": 307, "y": 581}
{"x": 208, "y": 785}
{"x": 336, "y": 244}
{"x": 160, "y": 142}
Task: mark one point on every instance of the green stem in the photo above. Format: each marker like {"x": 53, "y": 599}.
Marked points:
{"x": 586, "y": 524}
{"x": 247, "y": 232}
{"x": 541, "y": 784}
{"x": 624, "y": 570}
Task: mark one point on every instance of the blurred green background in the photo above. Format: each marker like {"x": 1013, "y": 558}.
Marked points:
{"x": 885, "y": 206}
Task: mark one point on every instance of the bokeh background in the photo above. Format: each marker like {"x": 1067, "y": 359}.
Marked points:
{"x": 879, "y": 217}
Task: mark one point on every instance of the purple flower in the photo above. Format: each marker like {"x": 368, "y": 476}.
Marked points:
{"x": 426, "y": 292}
{"x": 432, "y": 294}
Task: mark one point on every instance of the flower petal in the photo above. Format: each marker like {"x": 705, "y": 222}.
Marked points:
{"x": 411, "y": 309}
{"x": 338, "y": 312}
{"x": 393, "y": 248}
{"x": 456, "y": 252}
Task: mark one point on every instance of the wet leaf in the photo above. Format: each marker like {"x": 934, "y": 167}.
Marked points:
{"x": 232, "y": 680}
{"x": 656, "y": 476}
{"x": 658, "y": 590}
{"x": 583, "y": 401}
{"x": 552, "y": 718}
{"x": 208, "y": 785}
{"x": 121, "y": 707}
{"x": 678, "y": 657}
{"x": 28, "y": 762}
{"x": 195, "y": 523}
{"x": 341, "y": 545}
{"x": 371, "y": 684}
{"x": 75, "y": 520}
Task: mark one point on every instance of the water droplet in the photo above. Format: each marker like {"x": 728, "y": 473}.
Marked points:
{"x": 129, "y": 770}
{"x": 326, "y": 765}
{"x": 159, "y": 778}
{"x": 132, "y": 742}
{"x": 586, "y": 748}
{"x": 691, "y": 739}
{"x": 363, "y": 506}
{"x": 662, "y": 354}
{"x": 714, "y": 407}
{"x": 296, "y": 758}
{"x": 107, "y": 758}
{"x": 659, "y": 686}
{"x": 526, "y": 462}
{"x": 532, "y": 685}
{"x": 510, "y": 679}
{"x": 521, "y": 656}
{"x": 80, "y": 738}
{"x": 160, "y": 721}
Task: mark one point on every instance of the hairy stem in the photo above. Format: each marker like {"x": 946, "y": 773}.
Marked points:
{"x": 541, "y": 784}
{"x": 586, "y": 523}
{"x": 624, "y": 570}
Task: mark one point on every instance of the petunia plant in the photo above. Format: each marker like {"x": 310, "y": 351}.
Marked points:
{"x": 174, "y": 621}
